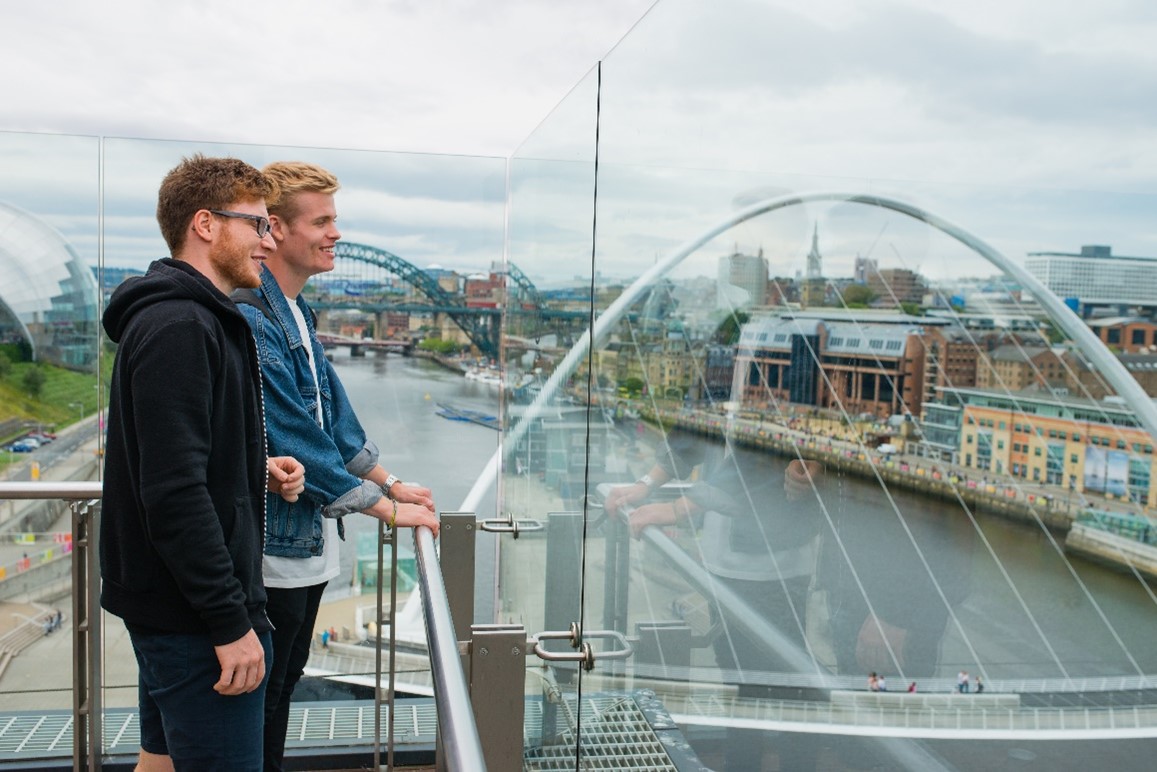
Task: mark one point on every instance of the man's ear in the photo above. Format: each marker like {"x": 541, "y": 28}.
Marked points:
{"x": 202, "y": 224}
{"x": 277, "y": 226}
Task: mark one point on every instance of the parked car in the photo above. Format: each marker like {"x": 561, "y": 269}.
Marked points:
{"x": 24, "y": 446}
{"x": 41, "y": 437}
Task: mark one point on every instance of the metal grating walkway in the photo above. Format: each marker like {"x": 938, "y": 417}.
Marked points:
{"x": 618, "y": 731}
{"x": 314, "y": 724}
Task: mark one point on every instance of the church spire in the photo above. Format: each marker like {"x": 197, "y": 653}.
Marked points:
{"x": 815, "y": 261}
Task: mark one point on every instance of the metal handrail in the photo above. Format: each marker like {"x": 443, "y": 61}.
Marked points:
{"x": 69, "y": 491}
{"x": 455, "y": 715}
{"x": 87, "y": 712}
{"x": 456, "y": 723}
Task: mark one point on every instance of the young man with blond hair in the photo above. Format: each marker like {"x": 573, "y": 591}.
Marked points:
{"x": 309, "y": 415}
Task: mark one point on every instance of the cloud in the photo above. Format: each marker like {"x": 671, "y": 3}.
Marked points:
{"x": 1000, "y": 116}
{"x": 442, "y": 76}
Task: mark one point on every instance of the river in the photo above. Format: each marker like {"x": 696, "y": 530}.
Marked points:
{"x": 1009, "y": 603}
{"x": 396, "y": 399}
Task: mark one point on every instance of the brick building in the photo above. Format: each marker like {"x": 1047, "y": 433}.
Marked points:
{"x": 849, "y": 365}
{"x": 1126, "y": 334}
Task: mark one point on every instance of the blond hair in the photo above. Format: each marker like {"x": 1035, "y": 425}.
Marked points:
{"x": 288, "y": 179}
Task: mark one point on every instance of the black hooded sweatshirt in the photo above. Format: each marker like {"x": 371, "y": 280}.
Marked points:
{"x": 184, "y": 489}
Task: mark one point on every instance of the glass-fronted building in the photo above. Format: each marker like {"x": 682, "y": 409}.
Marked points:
{"x": 48, "y": 296}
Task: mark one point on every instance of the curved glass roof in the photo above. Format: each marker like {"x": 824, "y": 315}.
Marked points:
{"x": 48, "y": 295}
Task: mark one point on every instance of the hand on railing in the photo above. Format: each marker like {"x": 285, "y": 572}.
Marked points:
{"x": 403, "y": 515}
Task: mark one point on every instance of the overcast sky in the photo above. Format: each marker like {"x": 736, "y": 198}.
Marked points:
{"x": 440, "y": 76}
{"x": 1028, "y": 123}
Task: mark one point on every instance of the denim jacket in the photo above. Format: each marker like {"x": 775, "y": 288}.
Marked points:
{"x": 335, "y": 456}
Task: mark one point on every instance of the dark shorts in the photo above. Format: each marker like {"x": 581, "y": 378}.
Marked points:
{"x": 183, "y": 717}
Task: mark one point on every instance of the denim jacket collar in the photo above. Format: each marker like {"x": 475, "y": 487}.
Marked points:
{"x": 279, "y": 305}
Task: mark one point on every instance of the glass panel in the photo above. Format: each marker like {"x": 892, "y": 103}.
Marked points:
{"x": 49, "y": 398}
{"x": 549, "y": 435}
{"x": 836, "y": 348}
{"x": 415, "y": 267}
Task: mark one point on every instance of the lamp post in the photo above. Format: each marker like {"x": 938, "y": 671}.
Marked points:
{"x": 79, "y": 410}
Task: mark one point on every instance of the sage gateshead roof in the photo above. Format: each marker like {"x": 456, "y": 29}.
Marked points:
{"x": 48, "y": 296}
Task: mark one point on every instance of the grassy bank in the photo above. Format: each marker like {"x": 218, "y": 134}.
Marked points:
{"x": 64, "y": 396}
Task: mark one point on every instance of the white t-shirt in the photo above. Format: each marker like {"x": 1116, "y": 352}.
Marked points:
{"x": 288, "y": 573}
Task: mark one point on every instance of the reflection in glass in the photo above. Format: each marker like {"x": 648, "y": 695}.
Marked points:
{"x": 965, "y": 448}
{"x": 838, "y": 524}
{"x": 972, "y": 444}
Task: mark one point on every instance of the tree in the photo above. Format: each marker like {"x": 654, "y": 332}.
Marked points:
{"x": 634, "y": 385}
{"x": 5, "y": 365}
{"x": 727, "y": 332}
{"x": 858, "y": 295}
{"x": 1052, "y": 332}
{"x": 34, "y": 379}
{"x": 438, "y": 346}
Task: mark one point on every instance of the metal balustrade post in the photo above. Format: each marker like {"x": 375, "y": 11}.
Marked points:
{"x": 385, "y": 537}
{"x": 616, "y": 576}
{"x": 497, "y": 677}
{"x": 562, "y": 600}
{"x": 457, "y": 536}
{"x": 87, "y": 734}
{"x": 616, "y": 579}
{"x": 456, "y": 556}
{"x": 562, "y": 596}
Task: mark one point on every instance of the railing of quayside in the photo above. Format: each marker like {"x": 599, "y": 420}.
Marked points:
{"x": 459, "y": 733}
{"x": 956, "y": 719}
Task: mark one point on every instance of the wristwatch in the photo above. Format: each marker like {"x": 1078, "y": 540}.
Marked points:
{"x": 389, "y": 483}
{"x": 646, "y": 480}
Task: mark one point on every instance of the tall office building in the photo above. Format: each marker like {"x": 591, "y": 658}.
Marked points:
{"x": 742, "y": 280}
{"x": 862, "y": 269}
{"x": 1097, "y": 277}
{"x": 897, "y": 285}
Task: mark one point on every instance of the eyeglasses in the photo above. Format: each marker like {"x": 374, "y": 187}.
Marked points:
{"x": 259, "y": 222}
